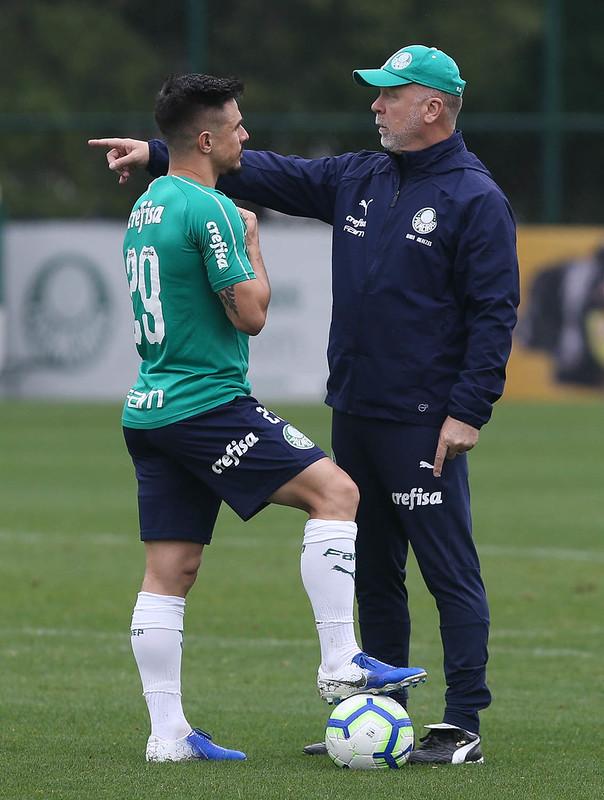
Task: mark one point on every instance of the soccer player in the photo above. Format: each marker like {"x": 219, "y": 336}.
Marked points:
{"x": 199, "y": 289}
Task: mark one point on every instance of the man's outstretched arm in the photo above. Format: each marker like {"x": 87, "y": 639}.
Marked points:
{"x": 289, "y": 184}
{"x": 124, "y": 155}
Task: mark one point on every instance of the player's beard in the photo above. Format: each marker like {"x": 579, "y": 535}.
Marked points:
{"x": 235, "y": 168}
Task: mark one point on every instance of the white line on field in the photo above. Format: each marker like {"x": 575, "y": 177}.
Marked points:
{"x": 267, "y": 642}
{"x": 555, "y": 553}
{"x": 536, "y": 633}
{"x": 214, "y": 641}
{"x": 543, "y": 652}
{"x": 39, "y": 537}
{"x": 225, "y": 540}
{"x": 89, "y": 538}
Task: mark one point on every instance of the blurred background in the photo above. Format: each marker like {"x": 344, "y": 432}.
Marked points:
{"x": 533, "y": 112}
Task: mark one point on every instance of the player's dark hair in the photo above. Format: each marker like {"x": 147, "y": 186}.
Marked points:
{"x": 183, "y": 97}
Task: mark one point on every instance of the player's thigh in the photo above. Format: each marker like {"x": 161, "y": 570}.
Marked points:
{"x": 243, "y": 452}
{"x": 322, "y": 489}
{"x": 173, "y": 504}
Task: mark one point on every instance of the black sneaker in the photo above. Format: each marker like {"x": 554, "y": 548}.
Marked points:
{"x": 317, "y": 749}
{"x": 446, "y": 744}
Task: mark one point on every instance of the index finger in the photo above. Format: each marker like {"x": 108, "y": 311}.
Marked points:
{"x": 105, "y": 142}
{"x": 439, "y": 458}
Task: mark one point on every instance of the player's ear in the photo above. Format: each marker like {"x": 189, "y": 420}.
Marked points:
{"x": 204, "y": 141}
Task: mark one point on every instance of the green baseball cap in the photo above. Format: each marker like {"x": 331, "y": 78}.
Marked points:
{"x": 415, "y": 63}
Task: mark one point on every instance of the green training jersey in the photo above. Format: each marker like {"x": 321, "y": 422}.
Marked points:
{"x": 184, "y": 243}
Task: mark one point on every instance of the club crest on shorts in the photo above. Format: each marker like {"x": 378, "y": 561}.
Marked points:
{"x": 296, "y": 438}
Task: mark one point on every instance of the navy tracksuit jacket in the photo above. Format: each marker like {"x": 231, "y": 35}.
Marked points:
{"x": 425, "y": 290}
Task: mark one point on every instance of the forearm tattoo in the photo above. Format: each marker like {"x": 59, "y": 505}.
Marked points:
{"x": 227, "y": 297}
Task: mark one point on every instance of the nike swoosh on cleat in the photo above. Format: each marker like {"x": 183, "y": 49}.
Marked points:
{"x": 358, "y": 684}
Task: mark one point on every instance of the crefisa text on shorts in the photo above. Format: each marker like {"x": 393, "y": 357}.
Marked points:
{"x": 233, "y": 453}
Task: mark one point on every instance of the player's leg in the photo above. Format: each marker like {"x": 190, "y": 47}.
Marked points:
{"x": 379, "y": 564}
{"x": 177, "y": 516}
{"x": 249, "y": 457}
{"x": 171, "y": 567}
{"x": 328, "y": 562}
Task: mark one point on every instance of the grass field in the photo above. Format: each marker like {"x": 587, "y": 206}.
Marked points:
{"x": 73, "y": 723}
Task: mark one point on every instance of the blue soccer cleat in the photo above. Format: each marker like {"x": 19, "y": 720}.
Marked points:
{"x": 366, "y": 674}
{"x": 197, "y": 745}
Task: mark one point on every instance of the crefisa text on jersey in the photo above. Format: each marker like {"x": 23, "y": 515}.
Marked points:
{"x": 218, "y": 245}
{"x": 145, "y": 214}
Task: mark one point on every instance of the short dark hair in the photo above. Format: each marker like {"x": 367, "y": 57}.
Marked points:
{"x": 182, "y": 97}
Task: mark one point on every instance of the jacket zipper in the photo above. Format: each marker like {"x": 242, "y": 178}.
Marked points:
{"x": 351, "y": 393}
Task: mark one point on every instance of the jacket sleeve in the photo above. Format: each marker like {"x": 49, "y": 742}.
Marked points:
{"x": 158, "y": 158}
{"x": 303, "y": 187}
{"x": 293, "y": 185}
{"x": 487, "y": 286}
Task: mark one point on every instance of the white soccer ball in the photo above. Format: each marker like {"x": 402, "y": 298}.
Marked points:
{"x": 369, "y": 731}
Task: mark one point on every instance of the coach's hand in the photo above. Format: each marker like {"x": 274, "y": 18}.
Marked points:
{"x": 455, "y": 437}
{"x": 124, "y": 155}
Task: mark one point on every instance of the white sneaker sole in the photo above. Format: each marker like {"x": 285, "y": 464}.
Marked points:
{"x": 334, "y": 691}
{"x": 160, "y": 750}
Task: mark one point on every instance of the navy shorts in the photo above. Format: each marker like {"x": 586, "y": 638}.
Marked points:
{"x": 238, "y": 452}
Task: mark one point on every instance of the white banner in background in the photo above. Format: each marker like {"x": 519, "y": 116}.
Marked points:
{"x": 69, "y": 317}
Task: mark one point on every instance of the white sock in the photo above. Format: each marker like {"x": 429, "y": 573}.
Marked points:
{"x": 327, "y": 566}
{"x": 157, "y": 626}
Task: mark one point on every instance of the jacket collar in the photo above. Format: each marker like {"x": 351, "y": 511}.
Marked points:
{"x": 424, "y": 160}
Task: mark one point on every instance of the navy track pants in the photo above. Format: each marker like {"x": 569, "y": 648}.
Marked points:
{"x": 402, "y": 503}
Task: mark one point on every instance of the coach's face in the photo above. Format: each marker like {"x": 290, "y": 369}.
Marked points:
{"x": 400, "y": 116}
{"x": 227, "y": 136}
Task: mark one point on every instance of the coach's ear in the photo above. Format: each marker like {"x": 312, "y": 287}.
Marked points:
{"x": 434, "y": 110}
{"x": 204, "y": 141}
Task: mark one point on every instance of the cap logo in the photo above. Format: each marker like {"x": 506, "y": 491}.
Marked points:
{"x": 401, "y": 60}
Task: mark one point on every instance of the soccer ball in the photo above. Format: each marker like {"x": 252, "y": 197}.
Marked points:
{"x": 369, "y": 731}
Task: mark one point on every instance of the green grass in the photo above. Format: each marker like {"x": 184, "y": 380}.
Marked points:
{"x": 73, "y": 722}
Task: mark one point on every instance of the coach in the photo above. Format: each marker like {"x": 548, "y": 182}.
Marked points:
{"x": 425, "y": 290}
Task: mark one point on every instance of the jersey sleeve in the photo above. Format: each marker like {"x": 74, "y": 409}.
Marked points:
{"x": 219, "y": 233}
